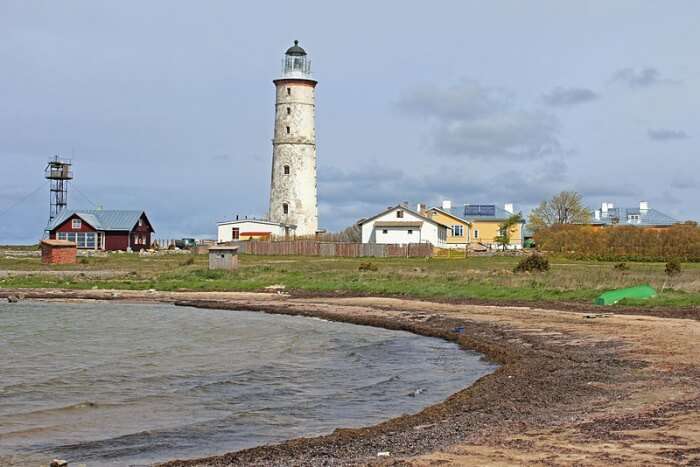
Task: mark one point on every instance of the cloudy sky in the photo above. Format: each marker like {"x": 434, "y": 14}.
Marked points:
{"x": 168, "y": 106}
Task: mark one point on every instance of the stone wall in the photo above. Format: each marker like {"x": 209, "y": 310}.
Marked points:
{"x": 294, "y": 148}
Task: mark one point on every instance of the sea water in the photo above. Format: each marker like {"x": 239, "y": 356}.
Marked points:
{"x": 119, "y": 384}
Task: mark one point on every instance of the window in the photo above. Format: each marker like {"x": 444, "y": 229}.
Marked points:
{"x": 476, "y": 234}
{"x": 141, "y": 222}
{"x": 90, "y": 240}
{"x": 289, "y": 110}
{"x": 236, "y": 233}
{"x": 285, "y": 208}
{"x": 81, "y": 239}
{"x": 399, "y": 214}
{"x": 289, "y": 91}
{"x": 76, "y": 223}
{"x": 410, "y": 232}
{"x": 287, "y": 130}
{"x": 385, "y": 231}
{"x": 634, "y": 218}
{"x": 286, "y": 170}
{"x": 457, "y": 230}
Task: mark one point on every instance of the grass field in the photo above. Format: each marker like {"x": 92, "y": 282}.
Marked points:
{"x": 484, "y": 278}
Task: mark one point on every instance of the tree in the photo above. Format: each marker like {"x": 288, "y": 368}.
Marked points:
{"x": 564, "y": 208}
{"x": 506, "y": 229}
{"x": 352, "y": 234}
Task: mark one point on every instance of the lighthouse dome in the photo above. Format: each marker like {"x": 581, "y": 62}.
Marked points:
{"x": 295, "y": 50}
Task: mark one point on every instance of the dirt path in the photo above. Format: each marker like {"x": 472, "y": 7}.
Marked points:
{"x": 573, "y": 388}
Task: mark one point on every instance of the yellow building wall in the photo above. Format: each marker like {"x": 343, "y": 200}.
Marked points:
{"x": 448, "y": 220}
{"x": 489, "y": 230}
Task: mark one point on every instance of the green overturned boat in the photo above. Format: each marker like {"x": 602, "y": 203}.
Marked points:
{"x": 613, "y": 296}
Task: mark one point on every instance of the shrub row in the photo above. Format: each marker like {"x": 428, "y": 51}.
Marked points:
{"x": 622, "y": 243}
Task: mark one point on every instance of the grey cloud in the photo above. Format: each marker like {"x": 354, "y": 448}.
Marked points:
{"x": 507, "y": 135}
{"x": 349, "y": 195}
{"x": 643, "y": 77}
{"x": 683, "y": 182}
{"x": 464, "y": 101}
{"x": 568, "y": 97}
{"x": 479, "y": 122}
{"x": 220, "y": 158}
{"x": 598, "y": 188}
{"x": 664, "y": 134}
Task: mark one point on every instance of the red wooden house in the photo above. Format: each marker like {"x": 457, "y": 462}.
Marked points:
{"x": 107, "y": 230}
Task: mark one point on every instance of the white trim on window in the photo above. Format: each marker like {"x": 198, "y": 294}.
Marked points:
{"x": 76, "y": 223}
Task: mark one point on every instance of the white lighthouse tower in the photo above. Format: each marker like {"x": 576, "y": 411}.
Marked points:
{"x": 293, "y": 193}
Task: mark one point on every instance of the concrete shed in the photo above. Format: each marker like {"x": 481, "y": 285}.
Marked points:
{"x": 59, "y": 252}
{"x": 223, "y": 257}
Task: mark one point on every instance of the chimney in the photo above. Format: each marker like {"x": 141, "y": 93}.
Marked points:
{"x": 447, "y": 205}
{"x": 604, "y": 208}
{"x": 508, "y": 207}
{"x": 421, "y": 208}
{"x": 643, "y": 206}
{"x": 596, "y": 214}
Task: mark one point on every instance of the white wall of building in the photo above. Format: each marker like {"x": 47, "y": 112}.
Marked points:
{"x": 427, "y": 232}
{"x": 400, "y": 235}
{"x": 225, "y": 229}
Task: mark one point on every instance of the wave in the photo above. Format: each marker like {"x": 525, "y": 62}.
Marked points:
{"x": 79, "y": 406}
{"x": 380, "y": 383}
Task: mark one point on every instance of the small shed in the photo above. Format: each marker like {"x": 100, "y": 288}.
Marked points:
{"x": 59, "y": 252}
{"x": 223, "y": 257}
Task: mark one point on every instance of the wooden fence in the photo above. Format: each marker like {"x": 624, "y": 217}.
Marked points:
{"x": 316, "y": 248}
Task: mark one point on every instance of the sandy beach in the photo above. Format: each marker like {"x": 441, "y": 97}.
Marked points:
{"x": 574, "y": 387}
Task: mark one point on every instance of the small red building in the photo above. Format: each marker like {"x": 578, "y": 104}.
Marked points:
{"x": 58, "y": 252}
{"x": 107, "y": 230}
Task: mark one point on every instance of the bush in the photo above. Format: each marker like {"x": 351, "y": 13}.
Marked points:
{"x": 673, "y": 267}
{"x": 367, "y": 267}
{"x": 189, "y": 261}
{"x": 533, "y": 263}
{"x": 621, "y": 267}
{"x": 622, "y": 242}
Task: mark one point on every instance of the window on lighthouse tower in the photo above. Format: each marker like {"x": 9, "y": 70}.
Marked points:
{"x": 285, "y": 208}
{"x": 286, "y": 170}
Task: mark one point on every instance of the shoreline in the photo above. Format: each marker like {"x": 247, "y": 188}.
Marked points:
{"x": 563, "y": 376}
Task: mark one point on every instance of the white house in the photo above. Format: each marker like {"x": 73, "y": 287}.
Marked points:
{"x": 400, "y": 225}
{"x": 249, "y": 229}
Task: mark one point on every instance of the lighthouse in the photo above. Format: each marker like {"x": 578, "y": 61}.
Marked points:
{"x": 293, "y": 189}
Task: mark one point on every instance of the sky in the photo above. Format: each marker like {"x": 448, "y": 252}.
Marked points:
{"x": 168, "y": 106}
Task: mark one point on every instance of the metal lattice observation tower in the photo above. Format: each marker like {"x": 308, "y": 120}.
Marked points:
{"x": 59, "y": 172}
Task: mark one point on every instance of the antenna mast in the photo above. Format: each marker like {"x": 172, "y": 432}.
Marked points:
{"x": 58, "y": 172}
